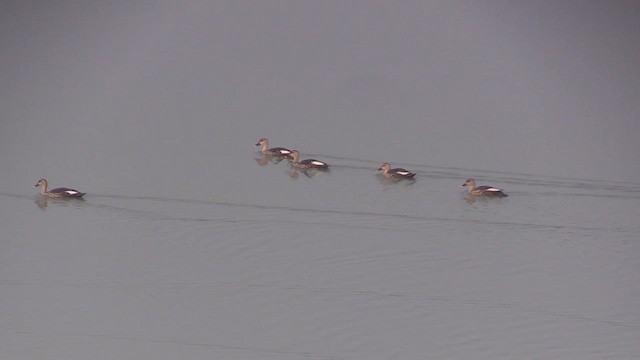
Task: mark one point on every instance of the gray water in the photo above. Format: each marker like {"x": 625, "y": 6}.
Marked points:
{"x": 190, "y": 245}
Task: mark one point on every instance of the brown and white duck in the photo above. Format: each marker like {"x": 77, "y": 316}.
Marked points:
{"x": 61, "y": 192}
{"x": 307, "y": 163}
{"x": 397, "y": 173}
{"x": 482, "y": 190}
{"x": 275, "y": 151}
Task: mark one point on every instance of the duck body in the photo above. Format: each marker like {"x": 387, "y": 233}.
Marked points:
{"x": 397, "y": 173}
{"x": 275, "y": 151}
{"x": 482, "y": 190}
{"x": 61, "y": 192}
{"x": 307, "y": 163}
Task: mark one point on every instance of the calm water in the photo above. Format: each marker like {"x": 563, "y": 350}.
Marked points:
{"x": 190, "y": 246}
{"x": 339, "y": 266}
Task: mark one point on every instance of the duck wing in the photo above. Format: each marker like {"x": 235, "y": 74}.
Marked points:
{"x": 314, "y": 163}
{"x": 67, "y": 192}
{"x": 490, "y": 190}
{"x": 400, "y": 172}
{"x": 280, "y": 150}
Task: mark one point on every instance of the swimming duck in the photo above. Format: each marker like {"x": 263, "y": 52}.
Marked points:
{"x": 308, "y": 163}
{"x": 397, "y": 173}
{"x": 276, "y": 151}
{"x": 57, "y": 192}
{"x": 482, "y": 190}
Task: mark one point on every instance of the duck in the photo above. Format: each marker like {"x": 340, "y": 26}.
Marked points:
{"x": 307, "y": 163}
{"x": 482, "y": 190}
{"x": 397, "y": 173}
{"x": 276, "y": 151}
{"x": 61, "y": 192}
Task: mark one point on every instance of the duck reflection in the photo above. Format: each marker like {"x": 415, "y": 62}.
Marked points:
{"x": 43, "y": 202}
{"x": 391, "y": 180}
{"x": 294, "y": 173}
{"x": 471, "y": 199}
{"x": 264, "y": 159}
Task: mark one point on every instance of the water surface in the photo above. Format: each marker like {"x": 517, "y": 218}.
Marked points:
{"x": 189, "y": 245}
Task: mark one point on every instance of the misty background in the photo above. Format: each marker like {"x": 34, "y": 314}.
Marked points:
{"x": 532, "y": 87}
{"x": 190, "y": 245}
